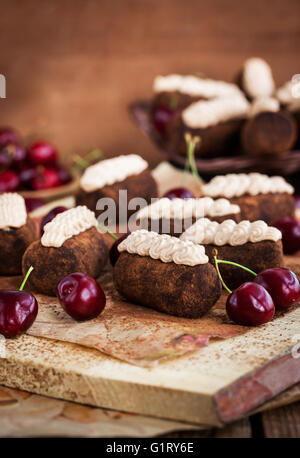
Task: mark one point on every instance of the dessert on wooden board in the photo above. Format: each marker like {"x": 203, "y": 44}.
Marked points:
{"x": 71, "y": 243}
{"x": 213, "y": 110}
{"x": 106, "y": 178}
{"x": 164, "y": 273}
{"x": 258, "y": 196}
{"x": 17, "y": 232}
{"x": 174, "y": 216}
{"x": 255, "y": 245}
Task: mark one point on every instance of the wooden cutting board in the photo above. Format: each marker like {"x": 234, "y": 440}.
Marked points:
{"x": 217, "y": 384}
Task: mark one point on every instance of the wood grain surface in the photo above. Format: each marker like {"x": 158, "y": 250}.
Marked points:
{"x": 72, "y": 67}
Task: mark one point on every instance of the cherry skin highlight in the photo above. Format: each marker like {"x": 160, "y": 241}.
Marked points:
{"x": 81, "y": 296}
{"x": 250, "y": 305}
{"x": 42, "y": 153}
{"x": 178, "y": 193}
{"x": 282, "y": 285}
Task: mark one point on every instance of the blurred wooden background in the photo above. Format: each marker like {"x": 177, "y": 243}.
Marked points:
{"x": 73, "y": 66}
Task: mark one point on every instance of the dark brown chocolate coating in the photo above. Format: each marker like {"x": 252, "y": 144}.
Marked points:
{"x": 85, "y": 252}
{"x": 167, "y": 287}
{"x": 13, "y": 243}
{"x": 269, "y": 133}
{"x": 176, "y": 227}
{"x": 268, "y": 207}
{"x": 218, "y": 140}
{"x": 256, "y": 256}
{"x": 174, "y": 100}
{"x": 141, "y": 185}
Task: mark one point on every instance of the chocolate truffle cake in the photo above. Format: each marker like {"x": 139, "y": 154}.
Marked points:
{"x": 172, "y": 217}
{"x": 71, "y": 243}
{"x": 17, "y": 231}
{"x": 166, "y": 274}
{"x": 289, "y": 98}
{"x": 211, "y": 109}
{"x": 105, "y": 179}
{"x": 254, "y": 245}
{"x": 258, "y": 196}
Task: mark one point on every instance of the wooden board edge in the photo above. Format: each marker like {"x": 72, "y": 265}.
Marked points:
{"x": 164, "y": 403}
{"x": 257, "y": 387}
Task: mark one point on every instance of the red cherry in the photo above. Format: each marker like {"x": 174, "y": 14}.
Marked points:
{"x": 26, "y": 175}
{"x": 114, "y": 253}
{"x": 63, "y": 175}
{"x": 32, "y": 203}
{"x": 282, "y": 285}
{"x": 81, "y": 296}
{"x": 18, "y": 154}
{"x": 178, "y": 193}
{"x": 161, "y": 118}
{"x": 18, "y": 310}
{"x": 49, "y": 217}
{"x": 9, "y": 181}
{"x": 46, "y": 178}
{"x": 5, "y": 159}
{"x": 290, "y": 229}
{"x": 42, "y": 153}
{"x": 250, "y": 305}
{"x": 8, "y": 135}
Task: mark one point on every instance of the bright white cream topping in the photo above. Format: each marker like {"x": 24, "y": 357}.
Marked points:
{"x": 264, "y": 104}
{"x": 235, "y": 185}
{"x": 185, "y": 208}
{"x": 203, "y": 114}
{"x": 164, "y": 247}
{"x": 229, "y": 232}
{"x": 12, "y": 210}
{"x": 112, "y": 171}
{"x": 257, "y": 78}
{"x": 194, "y": 86}
{"x": 286, "y": 96}
{"x": 67, "y": 224}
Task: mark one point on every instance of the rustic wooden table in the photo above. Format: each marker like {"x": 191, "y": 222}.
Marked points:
{"x": 283, "y": 422}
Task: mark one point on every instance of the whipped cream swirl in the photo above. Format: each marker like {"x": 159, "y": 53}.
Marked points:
{"x": 12, "y": 210}
{"x": 257, "y": 78}
{"x": 202, "y": 114}
{"x": 238, "y": 184}
{"x": 186, "y": 208}
{"x": 229, "y": 232}
{"x": 164, "y": 248}
{"x": 111, "y": 171}
{"x": 67, "y": 224}
{"x": 264, "y": 104}
{"x": 194, "y": 86}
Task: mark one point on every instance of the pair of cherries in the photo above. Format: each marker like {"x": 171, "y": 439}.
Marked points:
{"x": 79, "y": 295}
{"x": 254, "y": 303}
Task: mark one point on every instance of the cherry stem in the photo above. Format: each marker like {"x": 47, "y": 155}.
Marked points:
{"x": 26, "y": 278}
{"x": 220, "y": 261}
{"x": 220, "y": 276}
{"x": 108, "y": 231}
{"x": 231, "y": 263}
{"x": 191, "y": 143}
